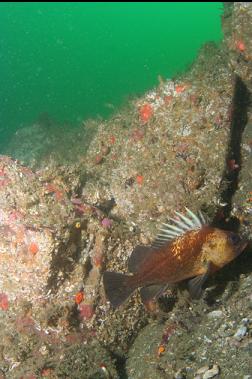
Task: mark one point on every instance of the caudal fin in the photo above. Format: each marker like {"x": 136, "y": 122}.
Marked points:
{"x": 117, "y": 288}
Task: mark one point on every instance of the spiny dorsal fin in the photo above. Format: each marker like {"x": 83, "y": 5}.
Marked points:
{"x": 178, "y": 226}
{"x": 138, "y": 255}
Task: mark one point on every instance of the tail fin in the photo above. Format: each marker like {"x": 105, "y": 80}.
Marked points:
{"x": 117, "y": 288}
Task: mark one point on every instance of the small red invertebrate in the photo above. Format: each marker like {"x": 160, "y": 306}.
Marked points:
{"x": 79, "y": 297}
{"x": 240, "y": 46}
{"x": 4, "y": 302}
{"x": 161, "y": 350}
{"x": 180, "y": 88}
{"x": 33, "y": 248}
{"x": 139, "y": 179}
{"x": 145, "y": 112}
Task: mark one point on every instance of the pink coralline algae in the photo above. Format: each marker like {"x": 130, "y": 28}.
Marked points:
{"x": 4, "y": 182}
{"x": 107, "y": 223}
{"x": 137, "y": 135}
{"x": 86, "y": 311}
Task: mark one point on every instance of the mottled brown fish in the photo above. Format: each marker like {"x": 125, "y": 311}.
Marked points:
{"x": 186, "y": 248}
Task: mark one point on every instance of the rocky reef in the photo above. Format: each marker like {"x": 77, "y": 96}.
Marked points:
{"x": 69, "y": 214}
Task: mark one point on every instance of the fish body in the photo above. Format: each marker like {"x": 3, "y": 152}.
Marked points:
{"x": 188, "y": 248}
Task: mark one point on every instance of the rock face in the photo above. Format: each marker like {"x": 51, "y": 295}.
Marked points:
{"x": 198, "y": 342}
{"x": 175, "y": 155}
{"x": 237, "y": 20}
{"x": 32, "y": 213}
{"x": 185, "y": 143}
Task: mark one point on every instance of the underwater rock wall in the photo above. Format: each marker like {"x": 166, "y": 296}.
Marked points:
{"x": 238, "y": 39}
{"x": 185, "y": 143}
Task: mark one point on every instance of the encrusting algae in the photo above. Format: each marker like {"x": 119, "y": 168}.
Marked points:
{"x": 187, "y": 248}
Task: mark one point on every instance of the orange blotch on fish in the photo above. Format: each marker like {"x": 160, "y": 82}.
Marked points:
{"x": 139, "y": 179}
{"x": 145, "y": 113}
{"x": 33, "y": 248}
{"x": 240, "y": 46}
{"x": 4, "y": 302}
{"x": 79, "y": 297}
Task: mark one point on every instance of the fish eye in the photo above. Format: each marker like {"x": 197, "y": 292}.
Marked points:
{"x": 234, "y": 238}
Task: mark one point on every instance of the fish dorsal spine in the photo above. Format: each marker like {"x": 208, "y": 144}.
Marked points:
{"x": 178, "y": 226}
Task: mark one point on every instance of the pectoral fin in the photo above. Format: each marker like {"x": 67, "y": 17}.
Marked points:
{"x": 195, "y": 285}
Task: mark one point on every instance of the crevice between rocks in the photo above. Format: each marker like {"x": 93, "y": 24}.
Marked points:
{"x": 230, "y": 177}
{"x": 230, "y": 183}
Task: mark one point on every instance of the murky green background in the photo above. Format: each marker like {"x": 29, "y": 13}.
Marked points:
{"x": 80, "y": 60}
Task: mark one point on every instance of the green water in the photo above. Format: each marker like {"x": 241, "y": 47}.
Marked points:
{"x": 81, "y": 60}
